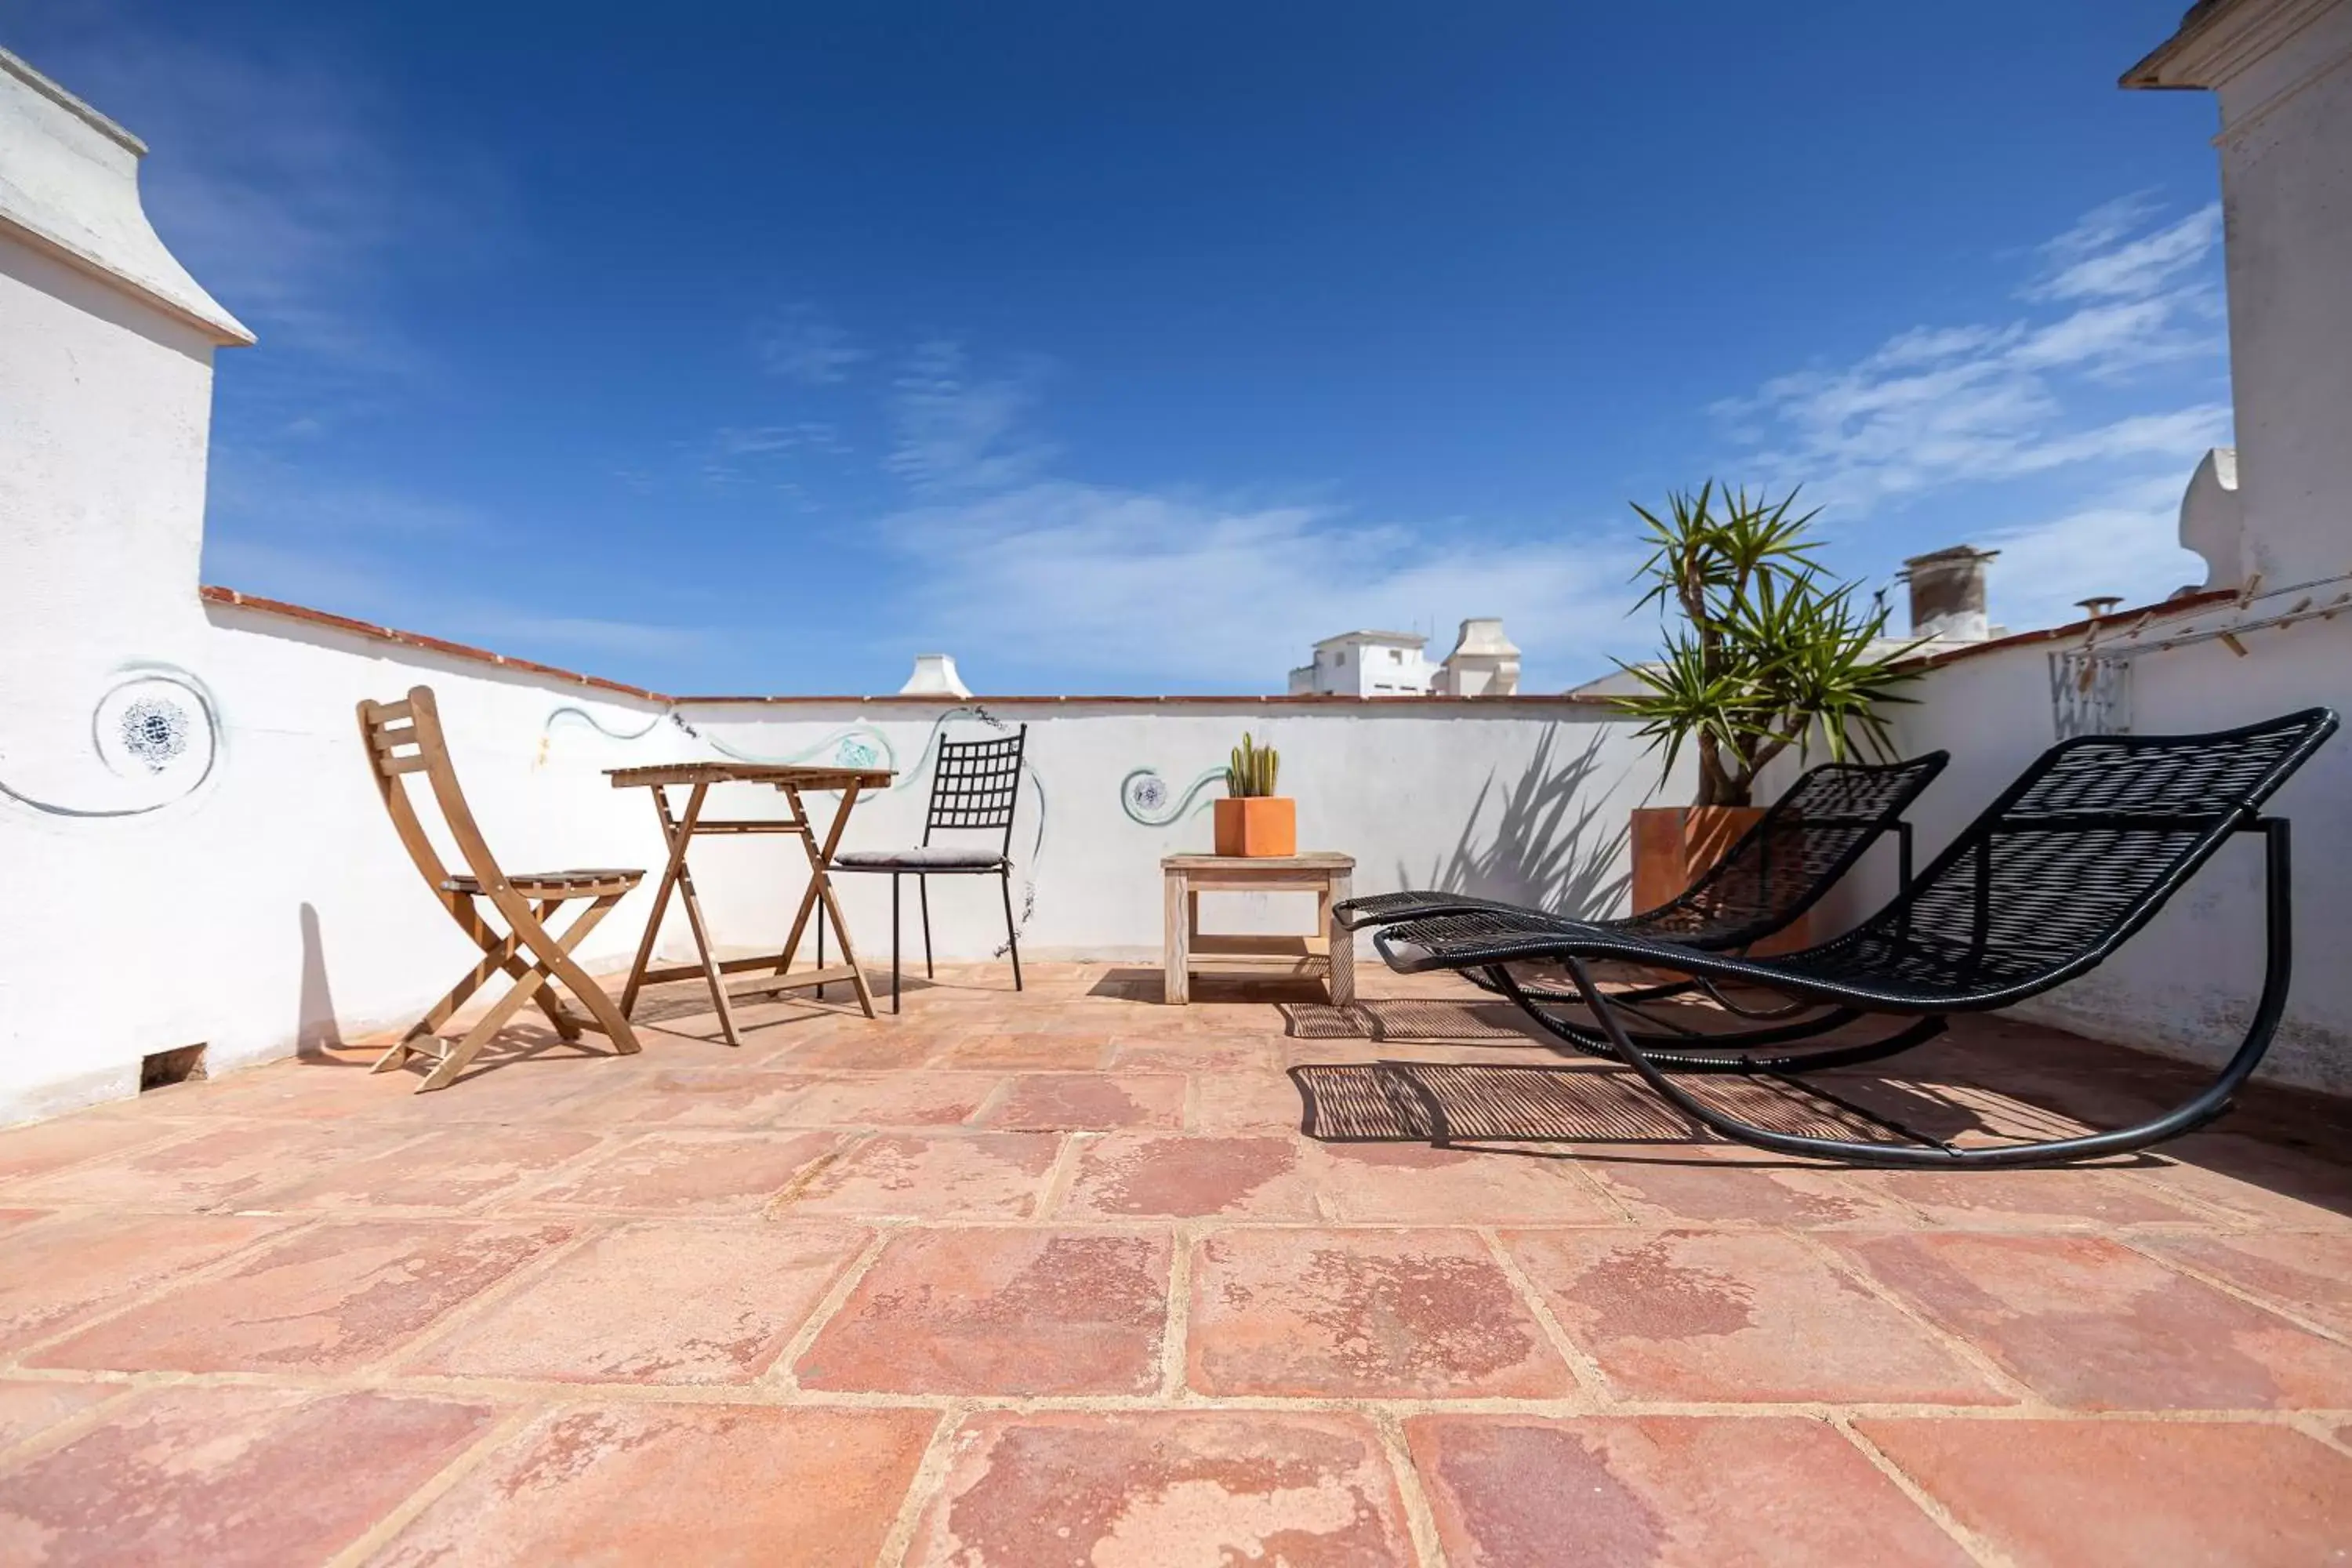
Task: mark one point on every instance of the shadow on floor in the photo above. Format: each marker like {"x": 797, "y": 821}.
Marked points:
{"x": 1445, "y": 1103}
{"x": 1141, "y": 985}
{"x": 1406, "y": 1018}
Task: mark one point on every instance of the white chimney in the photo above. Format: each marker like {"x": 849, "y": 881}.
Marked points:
{"x": 1484, "y": 663}
{"x": 935, "y": 675}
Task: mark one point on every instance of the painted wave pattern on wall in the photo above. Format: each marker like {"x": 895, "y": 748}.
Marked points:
{"x": 855, "y": 746}
{"x": 156, "y": 730}
{"x": 1150, "y": 800}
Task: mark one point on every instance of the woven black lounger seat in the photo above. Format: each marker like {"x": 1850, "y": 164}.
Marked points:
{"x": 2056, "y": 874}
{"x": 1776, "y": 871}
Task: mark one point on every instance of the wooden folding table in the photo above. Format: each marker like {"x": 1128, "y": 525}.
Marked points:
{"x": 680, "y": 830}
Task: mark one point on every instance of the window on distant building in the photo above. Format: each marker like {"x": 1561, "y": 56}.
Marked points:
{"x": 1339, "y": 658}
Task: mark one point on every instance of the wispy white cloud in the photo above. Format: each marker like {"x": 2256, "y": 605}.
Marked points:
{"x": 1936, "y": 407}
{"x": 379, "y": 591}
{"x": 963, "y": 433}
{"x": 286, "y": 181}
{"x": 1177, "y": 592}
{"x": 253, "y": 493}
{"x": 802, "y": 343}
{"x": 2122, "y": 541}
{"x": 2112, "y": 254}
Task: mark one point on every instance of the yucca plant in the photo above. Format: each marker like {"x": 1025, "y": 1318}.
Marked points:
{"x": 1772, "y": 652}
{"x": 1253, "y": 770}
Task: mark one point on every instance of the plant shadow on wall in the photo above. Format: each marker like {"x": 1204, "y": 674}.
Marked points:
{"x": 1550, "y": 847}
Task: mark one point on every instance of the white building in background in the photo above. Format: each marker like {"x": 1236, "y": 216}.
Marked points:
{"x": 1484, "y": 663}
{"x": 1365, "y": 664}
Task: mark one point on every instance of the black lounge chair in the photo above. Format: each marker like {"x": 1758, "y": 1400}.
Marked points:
{"x": 1776, "y": 871}
{"x": 2055, "y": 875}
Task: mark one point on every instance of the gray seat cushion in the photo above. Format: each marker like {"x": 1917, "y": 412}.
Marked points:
{"x": 920, "y": 857}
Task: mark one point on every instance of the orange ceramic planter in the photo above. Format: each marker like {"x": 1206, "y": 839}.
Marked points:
{"x": 1257, "y": 825}
{"x": 1675, "y": 846}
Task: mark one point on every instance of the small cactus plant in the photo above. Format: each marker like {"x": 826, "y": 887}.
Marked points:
{"x": 1252, "y": 771}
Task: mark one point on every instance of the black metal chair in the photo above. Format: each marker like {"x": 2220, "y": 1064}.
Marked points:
{"x": 1808, "y": 839}
{"x": 975, "y": 786}
{"x": 2056, "y": 874}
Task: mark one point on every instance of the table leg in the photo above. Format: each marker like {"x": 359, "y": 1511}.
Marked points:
{"x": 819, "y": 894}
{"x": 1340, "y": 887}
{"x": 686, "y": 896}
{"x": 670, "y": 867}
{"x": 1176, "y": 983}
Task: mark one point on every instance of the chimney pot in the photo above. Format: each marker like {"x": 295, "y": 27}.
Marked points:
{"x": 935, "y": 675}
{"x": 1948, "y": 594}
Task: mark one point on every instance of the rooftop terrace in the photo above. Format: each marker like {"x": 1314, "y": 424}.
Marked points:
{"x": 1057, "y": 1277}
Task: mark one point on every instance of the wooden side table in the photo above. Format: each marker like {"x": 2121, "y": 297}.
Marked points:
{"x": 1331, "y": 955}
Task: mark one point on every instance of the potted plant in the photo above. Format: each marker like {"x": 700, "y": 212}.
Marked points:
{"x": 1252, "y": 819}
{"x": 1771, "y": 653}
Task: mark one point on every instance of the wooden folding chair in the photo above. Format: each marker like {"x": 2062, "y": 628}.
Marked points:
{"x": 405, "y": 737}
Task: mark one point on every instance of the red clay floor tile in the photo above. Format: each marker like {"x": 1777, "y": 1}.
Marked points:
{"x": 1089, "y": 1102}
{"x": 228, "y": 1476}
{"x": 946, "y": 1175}
{"x": 444, "y": 1170}
{"x": 1735, "y": 1315}
{"x": 2307, "y": 1274}
{"x": 2020, "y": 1200}
{"x": 1371, "y": 1314}
{"x": 1034, "y": 1052}
{"x": 220, "y": 1167}
{"x": 732, "y": 1095}
{"x": 2090, "y": 1323}
{"x": 689, "y": 1171}
{"x": 47, "y": 1146}
{"x": 78, "y": 1265}
{"x": 1238, "y": 1104}
{"x": 1413, "y": 1184}
{"x": 658, "y": 1303}
{"x": 1709, "y": 1191}
{"x": 330, "y": 1298}
{"x": 1208, "y": 1054}
{"x": 2145, "y": 1494}
{"x": 1128, "y": 1175}
{"x": 706, "y": 1485}
{"x": 914, "y": 1097}
{"x": 1069, "y": 1489}
{"x": 27, "y": 1408}
{"x": 1666, "y": 1492}
{"x": 1001, "y": 1311}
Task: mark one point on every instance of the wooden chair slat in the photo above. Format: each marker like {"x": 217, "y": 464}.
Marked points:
{"x": 412, "y": 725}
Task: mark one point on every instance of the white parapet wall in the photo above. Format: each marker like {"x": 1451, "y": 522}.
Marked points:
{"x": 249, "y": 894}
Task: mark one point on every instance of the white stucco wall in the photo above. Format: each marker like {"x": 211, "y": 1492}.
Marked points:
{"x": 2282, "y": 73}
{"x": 2187, "y": 985}
{"x": 270, "y": 904}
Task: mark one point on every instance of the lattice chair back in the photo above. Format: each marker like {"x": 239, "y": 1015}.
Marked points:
{"x": 2080, "y": 852}
{"x": 976, "y": 784}
{"x": 1805, "y": 841}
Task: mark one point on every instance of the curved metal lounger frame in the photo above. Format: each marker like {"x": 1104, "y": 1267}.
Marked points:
{"x": 1851, "y": 1001}
{"x": 1817, "y": 788}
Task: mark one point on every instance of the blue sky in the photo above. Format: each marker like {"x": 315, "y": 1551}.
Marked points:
{"x": 1119, "y": 348}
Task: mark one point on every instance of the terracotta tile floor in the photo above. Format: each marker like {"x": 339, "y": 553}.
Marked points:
{"x": 1021, "y": 1281}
